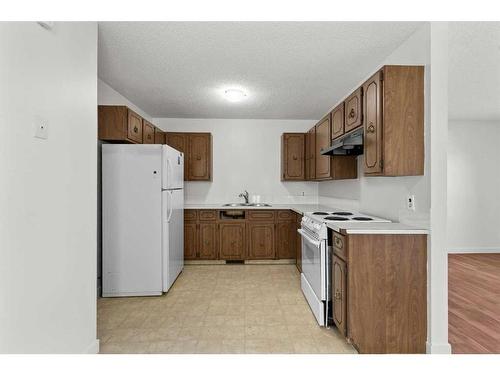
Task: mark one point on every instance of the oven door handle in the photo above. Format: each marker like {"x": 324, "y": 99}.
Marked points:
{"x": 309, "y": 239}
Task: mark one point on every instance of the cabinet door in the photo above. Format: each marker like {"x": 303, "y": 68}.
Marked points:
{"x": 261, "y": 240}
{"x": 190, "y": 241}
{"x": 339, "y": 280}
{"x": 208, "y": 240}
{"x": 338, "y": 121}
{"x": 323, "y": 138}
{"x": 312, "y": 153}
{"x": 373, "y": 124}
{"x": 199, "y": 149}
{"x": 293, "y": 156}
{"x": 159, "y": 137}
{"x": 286, "y": 240}
{"x": 231, "y": 241}
{"x": 298, "y": 242}
{"x": 148, "y": 132}
{"x": 179, "y": 142}
{"x": 134, "y": 127}
{"x": 354, "y": 110}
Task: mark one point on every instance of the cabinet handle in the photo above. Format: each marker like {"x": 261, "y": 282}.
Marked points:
{"x": 294, "y": 157}
{"x": 338, "y": 295}
{"x": 149, "y": 136}
{"x": 338, "y": 242}
{"x": 198, "y": 157}
{"x": 136, "y": 129}
{"x": 371, "y": 128}
{"x": 352, "y": 113}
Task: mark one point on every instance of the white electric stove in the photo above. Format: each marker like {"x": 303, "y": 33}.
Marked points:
{"x": 315, "y": 277}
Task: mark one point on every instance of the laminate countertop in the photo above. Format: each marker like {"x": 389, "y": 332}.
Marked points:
{"x": 344, "y": 227}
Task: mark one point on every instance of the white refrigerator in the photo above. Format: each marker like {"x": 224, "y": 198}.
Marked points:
{"x": 142, "y": 219}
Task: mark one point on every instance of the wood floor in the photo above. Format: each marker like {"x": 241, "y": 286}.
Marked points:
{"x": 474, "y": 303}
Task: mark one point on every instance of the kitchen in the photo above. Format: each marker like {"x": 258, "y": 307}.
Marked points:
{"x": 250, "y": 203}
{"x": 261, "y": 188}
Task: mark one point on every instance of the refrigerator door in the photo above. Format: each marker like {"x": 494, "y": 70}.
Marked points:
{"x": 173, "y": 236}
{"x": 131, "y": 220}
{"x": 173, "y": 168}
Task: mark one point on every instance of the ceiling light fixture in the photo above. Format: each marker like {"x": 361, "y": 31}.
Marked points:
{"x": 234, "y": 95}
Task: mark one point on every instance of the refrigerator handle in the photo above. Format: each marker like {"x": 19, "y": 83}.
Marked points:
{"x": 170, "y": 206}
{"x": 169, "y": 172}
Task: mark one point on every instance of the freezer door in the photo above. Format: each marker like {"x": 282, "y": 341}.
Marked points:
{"x": 131, "y": 220}
{"x": 173, "y": 236}
{"x": 173, "y": 168}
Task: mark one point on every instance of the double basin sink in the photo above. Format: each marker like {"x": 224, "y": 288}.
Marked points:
{"x": 246, "y": 205}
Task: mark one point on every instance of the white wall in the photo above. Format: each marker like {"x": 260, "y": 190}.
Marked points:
{"x": 246, "y": 155}
{"x": 473, "y": 186}
{"x": 48, "y": 200}
{"x": 106, "y": 95}
{"x": 386, "y": 196}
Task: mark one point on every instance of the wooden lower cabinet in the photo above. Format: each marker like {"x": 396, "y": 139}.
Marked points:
{"x": 339, "y": 294}
{"x": 261, "y": 240}
{"x": 286, "y": 240}
{"x": 207, "y": 241}
{"x": 190, "y": 241}
{"x": 379, "y": 291}
{"x": 232, "y": 241}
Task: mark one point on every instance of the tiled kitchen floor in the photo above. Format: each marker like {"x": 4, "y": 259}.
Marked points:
{"x": 219, "y": 309}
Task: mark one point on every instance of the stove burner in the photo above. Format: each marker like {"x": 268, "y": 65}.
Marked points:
{"x": 362, "y": 218}
{"x": 321, "y": 213}
{"x": 342, "y": 213}
{"x": 336, "y": 218}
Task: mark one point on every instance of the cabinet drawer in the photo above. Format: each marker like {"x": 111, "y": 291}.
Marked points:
{"x": 285, "y": 215}
{"x": 353, "y": 113}
{"x": 190, "y": 215}
{"x": 267, "y": 215}
{"x": 207, "y": 215}
{"x": 339, "y": 245}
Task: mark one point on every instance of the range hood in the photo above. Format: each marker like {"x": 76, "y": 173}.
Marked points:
{"x": 348, "y": 144}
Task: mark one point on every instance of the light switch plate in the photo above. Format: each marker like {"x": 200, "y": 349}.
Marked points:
{"x": 41, "y": 128}
{"x": 410, "y": 202}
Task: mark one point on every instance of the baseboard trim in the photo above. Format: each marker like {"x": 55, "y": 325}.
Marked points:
{"x": 476, "y": 250}
{"x": 93, "y": 348}
{"x": 441, "y": 348}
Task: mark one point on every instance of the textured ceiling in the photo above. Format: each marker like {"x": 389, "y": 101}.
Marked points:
{"x": 291, "y": 70}
{"x": 474, "y": 74}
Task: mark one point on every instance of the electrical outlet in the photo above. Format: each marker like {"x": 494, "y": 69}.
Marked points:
{"x": 41, "y": 128}
{"x": 410, "y": 202}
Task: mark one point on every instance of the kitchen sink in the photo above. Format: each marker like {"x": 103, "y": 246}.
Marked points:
{"x": 246, "y": 205}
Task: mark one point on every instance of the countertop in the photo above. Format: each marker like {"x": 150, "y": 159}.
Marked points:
{"x": 296, "y": 207}
{"x": 349, "y": 227}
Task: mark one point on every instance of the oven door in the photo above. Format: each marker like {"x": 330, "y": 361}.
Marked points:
{"x": 314, "y": 264}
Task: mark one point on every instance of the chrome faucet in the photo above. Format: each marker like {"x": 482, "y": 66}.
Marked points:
{"x": 244, "y": 195}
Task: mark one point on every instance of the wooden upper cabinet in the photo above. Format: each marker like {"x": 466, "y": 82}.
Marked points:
{"x": 197, "y": 149}
{"x": 323, "y": 138}
{"x": 148, "y": 132}
{"x": 394, "y": 122}
{"x": 311, "y": 154}
{"x": 232, "y": 241}
{"x": 159, "y": 136}
{"x": 373, "y": 124}
{"x": 200, "y": 156}
{"x": 353, "y": 110}
{"x": 337, "y": 119}
{"x": 292, "y": 157}
{"x": 261, "y": 241}
{"x": 119, "y": 124}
